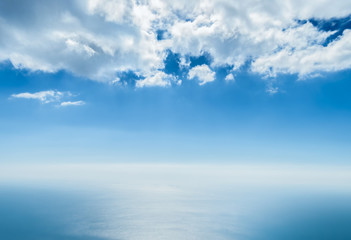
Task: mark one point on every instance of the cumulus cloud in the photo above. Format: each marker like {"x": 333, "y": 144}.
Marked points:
{"x": 234, "y": 32}
{"x": 159, "y": 78}
{"x": 203, "y": 74}
{"x": 229, "y": 77}
{"x": 308, "y": 60}
{"x": 74, "y": 103}
{"x": 93, "y": 39}
{"x": 97, "y": 39}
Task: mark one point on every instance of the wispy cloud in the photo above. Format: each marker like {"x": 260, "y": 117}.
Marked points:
{"x": 42, "y": 96}
{"x": 49, "y": 96}
{"x": 272, "y": 90}
{"x": 72, "y": 103}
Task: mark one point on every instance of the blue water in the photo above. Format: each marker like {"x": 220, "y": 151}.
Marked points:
{"x": 159, "y": 210}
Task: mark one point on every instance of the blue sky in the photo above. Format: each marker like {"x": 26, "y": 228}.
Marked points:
{"x": 126, "y": 81}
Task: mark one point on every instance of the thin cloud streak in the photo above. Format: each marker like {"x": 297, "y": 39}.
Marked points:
{"x": 42, "y": 96}
{"x": 70, "y": 103}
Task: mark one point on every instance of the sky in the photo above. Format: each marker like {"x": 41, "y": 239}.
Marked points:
{"x": 185, "y": 81}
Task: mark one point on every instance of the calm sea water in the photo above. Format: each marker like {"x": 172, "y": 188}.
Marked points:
{"x": 173, "y": 202}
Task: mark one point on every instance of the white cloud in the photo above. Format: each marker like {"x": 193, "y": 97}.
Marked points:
{"x": 74, "y": 103}
{"x": 43, "y": 96}
{"x": 184, "y": 62}
{"x": 272, "y": 90}
{"x": 159, "y": 79}
{"x": 203, "y": 73}
{"x": 229, "y": 77}
{"x": 80, "y": 48}
{"x": 99, "y": 38}
{"x": 336, "y": 56}
{"x": 234, "y": 32}
{"x": 116, "y": 82}
{"x": 49, "y": 96}
{"x": 93, "y": 39}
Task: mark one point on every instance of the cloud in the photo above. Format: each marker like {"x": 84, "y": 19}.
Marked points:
{"x": 69, "y": 103}
{"x": 49, "y": 96}
{"x": 93, "y": 39}
{"x": 42, "y": 96}
{"x": 159, "y": 79}
{"x": 203, "y": 74}
{"x": 235, "y": 32}
{"x": 308, "y": 60}
{"x": 98, "y": 39}
{"x": 229, "y": 77}
{"x": 272, "y": 90}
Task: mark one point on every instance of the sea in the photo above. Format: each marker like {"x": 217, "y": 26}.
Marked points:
{"x": 174, "y": 201}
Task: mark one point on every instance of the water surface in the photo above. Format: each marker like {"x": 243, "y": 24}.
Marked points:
{"x": 174, "y": 202}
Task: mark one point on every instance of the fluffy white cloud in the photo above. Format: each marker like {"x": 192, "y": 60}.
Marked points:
{"x": 229, "y": 77}
{"x": 88, "y": 38}
{"x": 43, "y": 96}
{"x": 203, "y": 73}
{"x": 99, "y": 38}
{"x": 70, "y": 103}
{"x": 307, "y": 60}
{"x": 159, "y": 78}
